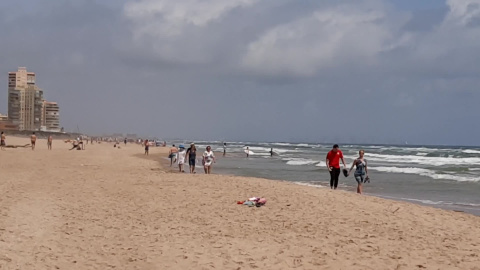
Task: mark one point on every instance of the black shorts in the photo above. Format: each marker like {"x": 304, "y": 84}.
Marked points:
{"x": 191, "y": 162}
{"x": 33, "y": 142}
{"x": 2, "y": 143}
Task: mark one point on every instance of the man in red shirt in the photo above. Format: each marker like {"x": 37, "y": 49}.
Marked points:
{"x": 333, "y": 165}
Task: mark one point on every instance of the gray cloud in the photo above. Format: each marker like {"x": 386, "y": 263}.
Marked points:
{"x": 363, "y": 71}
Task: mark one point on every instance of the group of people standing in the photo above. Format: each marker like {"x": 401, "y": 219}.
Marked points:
{"x": 33, "y": 141}
{"x": 360, "y": 165}
{"x": 180, "y": 156}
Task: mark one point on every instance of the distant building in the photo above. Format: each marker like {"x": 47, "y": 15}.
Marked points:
{"x": 26, "y": 105}
{"x": 51, "y": 116}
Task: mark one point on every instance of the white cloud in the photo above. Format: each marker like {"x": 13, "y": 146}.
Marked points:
{"x": 336, "y": 36}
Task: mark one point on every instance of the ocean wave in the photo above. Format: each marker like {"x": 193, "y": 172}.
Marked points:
{"x": 300, "y": 161}
{"x": 470, "y": 151}
{"x": 309, "y": 184}
{"x": 426, "y": 172}
{"x": 432, "y": 161}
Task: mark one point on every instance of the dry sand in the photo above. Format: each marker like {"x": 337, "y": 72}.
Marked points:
{"x": 109, "y": 208}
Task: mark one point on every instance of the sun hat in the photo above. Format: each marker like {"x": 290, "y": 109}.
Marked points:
{"x": 181, "y": 146}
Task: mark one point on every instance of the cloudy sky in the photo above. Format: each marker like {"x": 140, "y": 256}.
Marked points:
{"x": 265, "y": 70}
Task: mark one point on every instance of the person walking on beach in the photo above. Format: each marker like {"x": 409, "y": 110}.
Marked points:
{"x": 361, "y": 171}
{"x": 33, "y": 140}
{"x": 173, "y": 155}
{"x": 333, "y": 165}
{"x": 125, "y": 141}
{"x": 49, "y": 142}
{"x": 208, "y": 159}
{"x": 224, "y": 149}
{"x": 192, "y": 156}
{"x": 146, "y": 147}
{"x": 2, "y": 141}
{"x": 181, "y": 157}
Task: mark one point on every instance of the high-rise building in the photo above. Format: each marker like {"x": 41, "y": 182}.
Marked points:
{"x": 51, "y": 116}
{"x": 25, "y": 100}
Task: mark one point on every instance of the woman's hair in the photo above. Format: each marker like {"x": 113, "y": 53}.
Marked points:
{"x": 361, "y": 151}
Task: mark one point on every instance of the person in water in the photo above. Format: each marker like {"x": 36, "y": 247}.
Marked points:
{"x": 192, "y": 156}
{"x": 333, "y": 165}
{"x": 248, "y": 152}
{"x": 208, "y": 159}
{"x": 361, "y": 171}
{"x": 224, "y": 149}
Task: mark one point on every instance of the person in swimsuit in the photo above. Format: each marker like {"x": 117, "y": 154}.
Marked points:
{"x": 146, "y": 147}
{"x": 2, "y": 141}
{"x": 361, "y": 171}
{"x": 224, "y": 149}
{"x": 208, "y": 159}
{"x": 333, "y": 165}
{"x": 125, "y": 141}
{"x": 173, "y": 155}
{"x": 192, "y": 156}
{"x": 33, "y": 140}
{"x": 49, "y": 142}
{"x": 181, "y": 158}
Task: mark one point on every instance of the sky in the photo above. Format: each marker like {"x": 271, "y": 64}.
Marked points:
{"x": 365, "y": 71}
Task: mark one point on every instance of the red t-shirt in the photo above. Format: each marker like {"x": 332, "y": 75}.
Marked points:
{"x": 334, "y": 158}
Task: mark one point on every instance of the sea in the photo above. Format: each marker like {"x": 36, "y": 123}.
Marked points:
{"x": 447, "y": 177}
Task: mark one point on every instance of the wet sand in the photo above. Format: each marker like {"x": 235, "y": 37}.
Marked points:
{"x": 109, "y": 208}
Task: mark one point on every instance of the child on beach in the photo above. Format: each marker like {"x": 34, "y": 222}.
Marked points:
{"x": 208, "y": 159}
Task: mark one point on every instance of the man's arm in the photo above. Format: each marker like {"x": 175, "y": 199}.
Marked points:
{"x": 327, "y": 162}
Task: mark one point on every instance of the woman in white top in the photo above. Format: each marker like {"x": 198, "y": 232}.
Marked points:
{"x": 208, "y": 159}
{"x": 181, "y": 158}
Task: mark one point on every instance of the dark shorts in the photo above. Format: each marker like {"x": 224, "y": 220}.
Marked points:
{"x": 146, "y": 148}
{"x": 191, "y": 162}
{"x": 2, "y": 143}
{"x": 33, "y": 142}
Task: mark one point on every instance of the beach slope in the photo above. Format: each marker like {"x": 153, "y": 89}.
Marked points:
{"x": 110, "y": 208}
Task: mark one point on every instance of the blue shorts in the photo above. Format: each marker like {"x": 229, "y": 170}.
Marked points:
{"x": 360, "y": 178}
{"x": 191, "y": 162}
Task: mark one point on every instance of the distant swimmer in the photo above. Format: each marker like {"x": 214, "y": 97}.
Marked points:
{"x": 224, "y": 149}
{"x": 33, "y": 140}
{"x": 333, "y": 165}
{"x": 248, "y": 152}
{"x": 173, "y": 155}
{"x": 2, "y": 141}
{"x": 361, "y": 171}
{"x": 271, "y": 152}
{"x": 181, "y": 157}
{"x": 146, "y": 147}
{"x": 49, "y": 142}
{"x": 208, "y": 159}
{"x": 192, "y": 156}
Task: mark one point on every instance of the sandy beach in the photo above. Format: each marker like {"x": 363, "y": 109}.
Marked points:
{"x": 110, "y": 208}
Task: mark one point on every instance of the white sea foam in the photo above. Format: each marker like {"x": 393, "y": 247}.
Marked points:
{"x": 432, "y": 161}
{"x": 470, "y": 151}
{"x": 427, "y": 173}
{"x": 299, "y": 161}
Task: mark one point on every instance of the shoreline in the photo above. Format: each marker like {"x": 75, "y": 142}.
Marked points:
{"x": 105, "y": 208}
{"x": 164, "y": 162}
